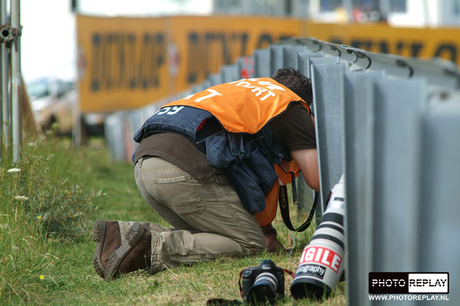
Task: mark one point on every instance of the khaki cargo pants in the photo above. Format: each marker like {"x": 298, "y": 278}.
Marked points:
{"x": 208, "y": 218}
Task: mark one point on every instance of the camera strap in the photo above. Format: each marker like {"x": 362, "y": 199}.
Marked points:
{"x": 284, "y": 207}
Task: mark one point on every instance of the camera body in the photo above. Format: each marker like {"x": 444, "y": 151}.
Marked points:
{"x": 262, "y": 283}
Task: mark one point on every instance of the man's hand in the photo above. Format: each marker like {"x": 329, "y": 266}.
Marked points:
{"x": 273, "y": 244}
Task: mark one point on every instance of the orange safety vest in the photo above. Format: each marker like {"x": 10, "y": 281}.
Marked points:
{"x": 246, "y": 106}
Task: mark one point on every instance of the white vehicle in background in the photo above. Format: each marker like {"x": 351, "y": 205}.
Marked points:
{"x": 53, "y": 102}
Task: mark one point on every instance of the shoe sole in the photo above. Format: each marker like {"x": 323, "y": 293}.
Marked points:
{"x": 134, "y": 234}
{"x": 99, "y": 238}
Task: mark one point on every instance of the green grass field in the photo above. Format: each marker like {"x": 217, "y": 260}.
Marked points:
{"x": 47, "y": 211}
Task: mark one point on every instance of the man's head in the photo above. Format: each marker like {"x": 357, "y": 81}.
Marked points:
{"x": 295, "y": 81}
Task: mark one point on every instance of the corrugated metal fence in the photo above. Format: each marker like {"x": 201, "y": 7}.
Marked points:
{"x": 392, "y": 126}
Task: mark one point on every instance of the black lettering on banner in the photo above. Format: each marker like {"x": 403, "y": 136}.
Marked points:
{"x": 124, "y": 61}
{"x": 131, "y": 58}
{"x": 208, "y": 51}
{"x": 263, "y": 41}
{"x": 193, "y": 57}
{"x": 416, "y": 48}
{"x": 95, "y": 68}
{"x": 399, "y": 47}
{"x": 244, "y": 44}
{"x": 107, "y": 48}
{"x": 413, "y": 48}
{"x": 383, "y": 47}
{"x": 145, "y": 62}
{"x": 152, "y": 57}
{"x": 336, "y": 40}
{"x": 447, "y": 51}
{"x": 361, "y": 44}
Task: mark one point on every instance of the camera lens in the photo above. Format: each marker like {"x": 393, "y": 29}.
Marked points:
{"x": 263, "y": 290}
{"x": 322, "y": 262}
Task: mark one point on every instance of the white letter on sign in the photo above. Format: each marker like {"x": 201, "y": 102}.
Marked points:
{"x": 271, "y": 86}
{"x": 212, "y": 94}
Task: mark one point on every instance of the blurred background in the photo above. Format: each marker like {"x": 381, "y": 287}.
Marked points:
{"x": 84, "y": 59}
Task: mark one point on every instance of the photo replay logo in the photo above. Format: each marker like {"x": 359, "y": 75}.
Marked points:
{"x": 408, "y": 283}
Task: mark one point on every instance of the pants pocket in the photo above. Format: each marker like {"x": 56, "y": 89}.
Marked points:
{"x": 181, "y": 195}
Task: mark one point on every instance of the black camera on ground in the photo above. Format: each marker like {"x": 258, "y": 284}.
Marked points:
{"x": 262, "y": 284}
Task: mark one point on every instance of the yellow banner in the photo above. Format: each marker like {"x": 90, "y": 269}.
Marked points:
{"x": 125, "y": 63}
{"x": 207, "y": 43}
{"x": 121, "y": 62}
{"x": 382, "y": 38}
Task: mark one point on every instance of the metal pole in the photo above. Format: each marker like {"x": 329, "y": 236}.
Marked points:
{"x": 16, "y": 80}
{"x": 77, "y": 118}
{"x": 348, "y": 6}
{"x": 384, "y": 8}
{"x": 5, "y": 109}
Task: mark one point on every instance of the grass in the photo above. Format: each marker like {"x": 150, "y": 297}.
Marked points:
{"x": 40, "y": 267}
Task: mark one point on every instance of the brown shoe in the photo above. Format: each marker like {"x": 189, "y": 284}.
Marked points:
{"x": 107, "y": 236}
{"x": 133, "y": 255}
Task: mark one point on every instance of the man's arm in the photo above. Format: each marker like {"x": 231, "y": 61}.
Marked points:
{"x": 307, "y": 160}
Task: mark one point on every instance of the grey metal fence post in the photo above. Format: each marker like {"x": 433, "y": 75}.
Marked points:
{"x": 397, "y": 104}
{"x": 16, "y": 80}
{"x": 230, "y": 73}
{"x": 305, "y": 193}
{"x": 438, "y": 194}
{"x": 303, "y": 61}
{"x": 276, "y": 60}
{"x": 327, "y": 99}
{"x": 5, "y": 105}
{"x": 290, "y": 55}
{"x": 261, "y": 63}
{"x": 357, "y": 106}
{"x": 283, "y": 56}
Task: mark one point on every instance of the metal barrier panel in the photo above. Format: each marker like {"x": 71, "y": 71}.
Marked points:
{"x": 283, "y": 56}
{"x": 290, "y": 55}
{"x": 114, "y": 139}
{"x": 245, "y": 67}
{"x": 276, "y": 58}
{"x": 401, "y": 163}
{"x": 322, "y": 61}
{"x": 303, "y": 61}
{"x": 437, "y": 202}
{"x": 358, "y": 94}
{"x": 261, "y": 63}
{"x": 397, "y": 105}
{"x": 215, "y": 79}
{"x": 305, "y": 193}
{"x": 327, "y": 99}
{"x": 230, "y": 73}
